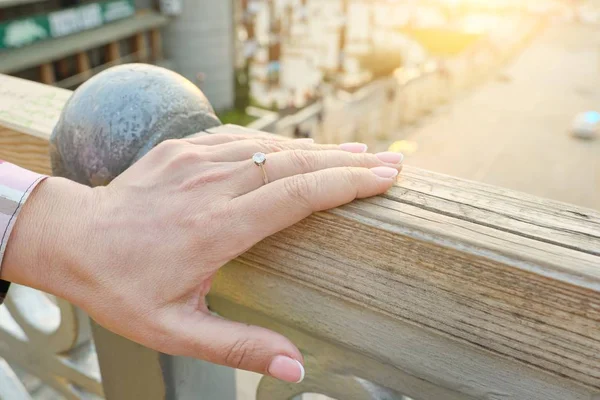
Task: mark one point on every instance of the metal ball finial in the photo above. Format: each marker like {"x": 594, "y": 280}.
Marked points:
{"x": 117, "y": 116}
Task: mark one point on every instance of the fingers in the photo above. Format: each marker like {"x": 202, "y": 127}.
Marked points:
{"x": 243, "y": 150}
{"x": 289, "y": 163}
{"x": 207, "y": 139}
{"x": 276, "y": 206}
{"x": 241, "y": 346}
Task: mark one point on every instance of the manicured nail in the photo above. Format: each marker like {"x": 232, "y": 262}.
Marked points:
{"x": 385, "y": 172}
{"x": 390, "y": 157}
{"x": 354, "y": 147}
{"x": 286, "y": 369}
{"x": 305, "y": 140}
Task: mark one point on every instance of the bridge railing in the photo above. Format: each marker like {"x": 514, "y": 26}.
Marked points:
{"x": 440, "y": 289}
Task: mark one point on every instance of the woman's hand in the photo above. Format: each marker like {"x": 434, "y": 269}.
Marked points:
{"x": 140, "y": 254}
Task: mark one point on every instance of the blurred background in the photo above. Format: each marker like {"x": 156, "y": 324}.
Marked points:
{"x": 499, "y": 91}
{"x": 505, "y": 92}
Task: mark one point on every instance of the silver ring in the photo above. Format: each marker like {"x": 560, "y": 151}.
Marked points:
{"x": 260, "y": 159}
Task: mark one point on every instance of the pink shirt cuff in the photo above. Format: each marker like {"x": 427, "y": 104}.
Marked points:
{"x": 16, "y": 184}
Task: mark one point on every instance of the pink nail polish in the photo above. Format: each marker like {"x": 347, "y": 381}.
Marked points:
{"x": 354, "y": 147}
{"x": 390, "y": 157}
{"x": 286, "y": 369}
{"x": 385, "y": 172}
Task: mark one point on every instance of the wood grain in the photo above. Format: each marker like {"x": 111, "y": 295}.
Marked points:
{"x": 28, "y": 113}
{"x": 30, "y": 107}
{"x": 417, "y": 362}
{"x": 507, "y": 274}
{"x": 26, "y": 151}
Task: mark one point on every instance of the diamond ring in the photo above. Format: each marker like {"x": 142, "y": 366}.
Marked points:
{"x": 260, "y": 159}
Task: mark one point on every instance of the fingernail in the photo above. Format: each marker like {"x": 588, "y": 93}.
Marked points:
{"x": 354, "y": 147}
{"x": 286, "y": 369}
{"x": 390, "y": 157}
{"x": 305, "y": 140}
{"x": 385, "y": 172}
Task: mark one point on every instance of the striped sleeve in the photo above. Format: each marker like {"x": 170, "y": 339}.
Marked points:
{"x": 15, "y": 186}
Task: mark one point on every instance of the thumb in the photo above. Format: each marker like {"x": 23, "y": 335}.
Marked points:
{"x": 241, "y": 346}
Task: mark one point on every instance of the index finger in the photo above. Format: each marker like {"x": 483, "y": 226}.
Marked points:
{"x": 212, "y": 139}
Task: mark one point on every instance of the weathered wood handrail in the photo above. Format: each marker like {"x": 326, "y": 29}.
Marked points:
{"x": 440, "y": 289}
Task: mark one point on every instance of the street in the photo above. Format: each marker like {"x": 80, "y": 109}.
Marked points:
{"x": 513, "y": 131}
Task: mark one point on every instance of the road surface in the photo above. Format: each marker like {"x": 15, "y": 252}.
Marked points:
{"x": 513, "y": 132}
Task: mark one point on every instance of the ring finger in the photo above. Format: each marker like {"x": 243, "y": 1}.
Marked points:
{"x": 295, "y": 162}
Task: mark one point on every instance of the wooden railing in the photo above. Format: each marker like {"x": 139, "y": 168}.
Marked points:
{"x": 440, "y": 289}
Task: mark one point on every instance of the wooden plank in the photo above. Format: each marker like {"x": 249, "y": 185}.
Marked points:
{"x": 28, "y": 113}
{"x": 54, "y": 49}
{"x": 27, "y": 151}
{"x": 441, "y": 367}
{"x": 30, "y": 107}
{"x": 532, "y": 210}
{"x": 464, "y": 278}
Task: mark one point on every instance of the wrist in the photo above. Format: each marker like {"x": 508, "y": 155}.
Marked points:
{"x": 47, "y": 241}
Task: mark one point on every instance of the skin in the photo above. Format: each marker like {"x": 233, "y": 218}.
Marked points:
{"x": 140, "y": 254}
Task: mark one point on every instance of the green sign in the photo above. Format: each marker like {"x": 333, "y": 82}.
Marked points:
{"x": 23, "y": 31}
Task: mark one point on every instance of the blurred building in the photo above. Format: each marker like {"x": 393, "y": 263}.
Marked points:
{"x": 276, "y": 54}
{"x": 292, "y": 47}
{"x": 65, "y": 42}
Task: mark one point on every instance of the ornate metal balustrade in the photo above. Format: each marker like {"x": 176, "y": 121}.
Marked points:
{"x": 440, "y": 289}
